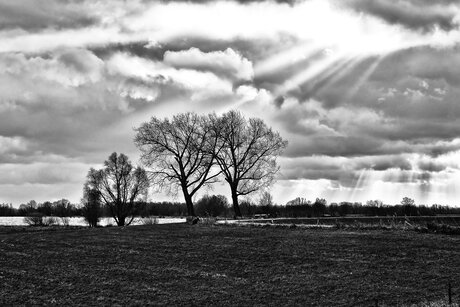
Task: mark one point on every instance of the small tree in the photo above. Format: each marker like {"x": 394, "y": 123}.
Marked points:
{"x": 34, "y": 219}
{"x": 408, "y": 206}
{"x": 119, "y": 184}
{"x": 266, "y": 202}
{"x": 180, "y": 153}
{"x": 246, "y": 152}
{"x": 266, "y": 199}
{"x": 406, "y": 201}
{"x": 215, "y": 205}
{"x": 91, "y": 208}
{"x": 319, "y": 207}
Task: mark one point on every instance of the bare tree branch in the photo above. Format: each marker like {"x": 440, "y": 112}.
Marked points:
{"x": 119, "y": 185}
{"x": 179, "y": 151}
{"x": 246, "y": 152}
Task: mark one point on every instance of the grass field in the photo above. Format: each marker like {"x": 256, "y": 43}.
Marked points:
{"x": 225, "y": 265}
{"x": 453, "y": 220}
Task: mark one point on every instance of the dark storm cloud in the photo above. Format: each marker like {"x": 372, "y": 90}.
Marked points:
{"x": 33, "y": 15}
{"x": 408, "y": 104}
{"x": 335, "y": 146}
{"x": 385, "y": 163}
{"x": 431, "y": 166}
{"x": 344, "y": 170}
{"x": 57, "y": 105}
{"x": 139, "y": 49}
{"x": 422, "y": 62}
{"x": 413, "y": 14}
{"x": 316, "y": 168}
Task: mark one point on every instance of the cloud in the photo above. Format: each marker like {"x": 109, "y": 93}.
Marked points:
{"x": 13, "y": 147}
{"x": 225, "y": 63}
{"x": 60, "y": 104}
{"x": 346, "y": 171}
{"x": 203, "y": 84}
{"x": 374, "y": 93}
{"x": 41, "y": 173}
{"x": 416, "y": 15}
{"x": 115, "y": 22}
{"x": 69, "y": 67}
{"x": 34, "y": 15}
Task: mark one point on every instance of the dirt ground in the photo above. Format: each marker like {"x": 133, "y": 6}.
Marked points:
{"x": 225, "y": 265}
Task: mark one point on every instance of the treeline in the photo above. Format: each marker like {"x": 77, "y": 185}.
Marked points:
{"x": 63, "y": 208}
{"x": 300, "y": 207}
{"x": 218, "y": 206}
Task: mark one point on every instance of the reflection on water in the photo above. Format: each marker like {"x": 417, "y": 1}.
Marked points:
{"x": 79, "y": 221}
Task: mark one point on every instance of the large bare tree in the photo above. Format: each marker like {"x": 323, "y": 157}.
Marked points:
{"x": 119, "y": 185}
{"x": 246, "y": 152}
{"x": 180, "y": 153}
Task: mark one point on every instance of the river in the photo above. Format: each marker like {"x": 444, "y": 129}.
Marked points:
{"x": 79, "y": 221}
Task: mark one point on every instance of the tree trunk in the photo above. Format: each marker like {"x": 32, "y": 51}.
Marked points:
{"x": 236, "y": 206}
{"x": 121, "y": 221}
{"x": 188, "y": 202}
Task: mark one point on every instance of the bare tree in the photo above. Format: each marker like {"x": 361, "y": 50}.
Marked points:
{"x": 266, "y": 199}
{"x": 119, "y": 185}
{"x": 246, "y": 152}
{"x": 180, "y": 153}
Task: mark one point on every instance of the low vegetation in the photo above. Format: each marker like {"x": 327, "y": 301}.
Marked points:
{"x": 217, "y": 266}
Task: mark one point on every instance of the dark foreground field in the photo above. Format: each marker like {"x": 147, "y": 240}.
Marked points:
{"x": 204, "y": 265}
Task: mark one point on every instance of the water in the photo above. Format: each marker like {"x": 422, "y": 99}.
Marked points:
{"x": 79, "y": 221}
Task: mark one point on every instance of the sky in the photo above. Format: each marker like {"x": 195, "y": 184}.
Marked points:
{"x": 365, "y": 91}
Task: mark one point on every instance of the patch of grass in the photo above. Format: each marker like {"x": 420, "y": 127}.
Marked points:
{"x": 209, "y": 221}
{"x": 214, "y": 266}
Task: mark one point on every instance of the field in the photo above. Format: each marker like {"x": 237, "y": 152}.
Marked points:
{"x": 453, "y": 220}
{"x": 225, "y": 265}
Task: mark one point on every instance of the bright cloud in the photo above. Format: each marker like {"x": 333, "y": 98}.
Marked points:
{"x": 227, "y": 63}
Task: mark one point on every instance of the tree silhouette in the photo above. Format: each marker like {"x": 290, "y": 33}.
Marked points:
{"x": 119, "y": 185}
{"x": 246, "y": 152}
{"x": 180, "y": 153}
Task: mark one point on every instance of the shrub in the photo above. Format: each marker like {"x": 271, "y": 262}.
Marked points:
{"x": 91, "y": 209}
{"x": 215, "y": 205}
{"x": 34, "y": 219}
{"x": 443, "y": 228}
{"x": 150, "y": 220}
{"x": 207, "y": 220}
{"x": 50, "y": 221}
{"x": 65, "y": 220}
{"x": 192, "y": 220}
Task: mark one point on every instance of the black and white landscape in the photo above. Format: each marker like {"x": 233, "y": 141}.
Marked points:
{"x": 230, "y": 153}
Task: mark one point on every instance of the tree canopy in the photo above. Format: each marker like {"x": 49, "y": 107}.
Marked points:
{"x": 180, "y": 153}
{"x": 119, "y": 185}
{"x": 246, "y": 153}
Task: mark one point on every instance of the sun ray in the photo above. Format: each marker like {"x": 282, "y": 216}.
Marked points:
{"x": 286, "y": 58}
{"x": 332, "y": 74}
{"x": 362, "y": 179}
{"x": 363, "y": 78}
{"x": 349, "y": 66}
{"x": 310, "y": 72}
